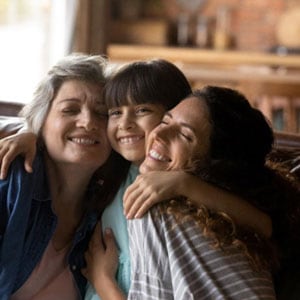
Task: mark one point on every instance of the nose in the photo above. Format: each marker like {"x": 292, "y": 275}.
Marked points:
{"x": 126, "y": 122}
{"x": 163, "y": 132}
{"x": 88, "y": 121}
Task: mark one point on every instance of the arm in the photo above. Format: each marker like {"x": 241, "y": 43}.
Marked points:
{"x": 154, "y": 187}
{"x": 10, "y": 125}
{"x": 102, "y": 263}
{"x": 24, "y": 143}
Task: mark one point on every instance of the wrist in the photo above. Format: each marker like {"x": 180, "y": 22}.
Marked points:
{"x": 107, "y": 288}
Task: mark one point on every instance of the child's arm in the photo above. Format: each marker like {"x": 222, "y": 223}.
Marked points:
{"x": 23, "y": 142}
{"x": 10, "y": 125}
{"x": 157, "y": 186}
{"x": 102, "y": 264}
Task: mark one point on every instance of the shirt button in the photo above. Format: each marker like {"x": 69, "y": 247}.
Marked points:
{"x": 74, "y": 267}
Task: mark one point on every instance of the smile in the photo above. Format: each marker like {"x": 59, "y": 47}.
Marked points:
{"x": 84, "y": 141}
{"x": 155, "y": 155}
{"x": 130, "y": 140}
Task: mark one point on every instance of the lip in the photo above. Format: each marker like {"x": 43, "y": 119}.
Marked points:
{"x": 130, "y": 139}
{"x": 84, "y": 140}
{"x": 157, "y": 152}
{"x": 157, "y": 156}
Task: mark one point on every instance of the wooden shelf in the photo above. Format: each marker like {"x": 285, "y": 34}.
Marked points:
{"x": 200, "y": 56}
{"x": 262, "y": 77}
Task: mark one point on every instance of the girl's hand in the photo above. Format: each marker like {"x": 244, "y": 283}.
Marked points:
{"x": 20, "y": 143}
{"x": 149, "y": 189}
{"x": 102, "y": 264}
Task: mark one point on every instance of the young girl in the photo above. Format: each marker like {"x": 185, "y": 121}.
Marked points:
{"x": 137, "y": 97}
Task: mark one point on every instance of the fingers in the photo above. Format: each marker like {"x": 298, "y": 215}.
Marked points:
{"x": 96, "y": 241}
{"x": 138, "y": 201}
{"x": 28, "y": 165}
{"x": 101, "y": 256}
{"x": 7, "y": 155}
{"x": 12, "y": 146}
{"x": 110, "y": 242}
{"x": 129, "y": 198}
{"x": 29, "y": 157}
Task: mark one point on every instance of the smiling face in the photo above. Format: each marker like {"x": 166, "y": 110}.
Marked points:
{"x": 74, "y": 131}
{"x": 129, "y": 126}
{"x": 180, "y": 139}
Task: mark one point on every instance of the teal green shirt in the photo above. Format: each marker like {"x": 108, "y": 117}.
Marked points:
{"x": 114, "y": 218}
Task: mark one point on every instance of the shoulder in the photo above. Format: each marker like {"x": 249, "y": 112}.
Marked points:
{"x": 18, "y": 182}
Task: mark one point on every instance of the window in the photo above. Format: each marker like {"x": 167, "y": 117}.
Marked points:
{"x": 34, "y": 34}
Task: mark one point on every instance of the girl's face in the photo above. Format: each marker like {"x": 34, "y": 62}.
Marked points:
{"x": 74, "y": 131}
{"x": 181, "y": 138}
{"x": 129, "y": 126}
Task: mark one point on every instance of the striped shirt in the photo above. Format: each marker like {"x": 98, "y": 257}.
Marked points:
{"x": 175, "y": 261}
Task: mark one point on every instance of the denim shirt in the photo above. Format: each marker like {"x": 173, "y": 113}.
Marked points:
{"x": 27, "y": 224}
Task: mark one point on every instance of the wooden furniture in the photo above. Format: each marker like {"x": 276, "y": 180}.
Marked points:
{"x": 10, "y": 108}
{"x": 270, "y": 81}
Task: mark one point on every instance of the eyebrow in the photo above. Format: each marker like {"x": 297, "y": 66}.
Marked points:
{"x": 182, "y": 123}
{"x": 76, "y": 100}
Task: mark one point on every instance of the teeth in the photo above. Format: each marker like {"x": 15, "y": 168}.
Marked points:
{"x": 83, "y": 141}
{"x": 157, "y": 156}
{"x": 130, "y": 140}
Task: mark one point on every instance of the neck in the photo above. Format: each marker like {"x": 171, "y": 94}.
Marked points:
{"x": 68, "y": 185}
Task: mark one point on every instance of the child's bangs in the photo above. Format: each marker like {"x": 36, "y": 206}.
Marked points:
{"x": 132, "y": 89}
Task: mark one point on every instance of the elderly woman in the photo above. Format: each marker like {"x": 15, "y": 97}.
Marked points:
{"x": 47, "y": 216}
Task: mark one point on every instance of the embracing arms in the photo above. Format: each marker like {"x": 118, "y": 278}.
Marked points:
{"x": 157, "y": 186}
{"x": 154, "y": 187}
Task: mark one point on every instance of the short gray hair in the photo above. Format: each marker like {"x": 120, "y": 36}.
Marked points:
{"x": 89, "y": 68}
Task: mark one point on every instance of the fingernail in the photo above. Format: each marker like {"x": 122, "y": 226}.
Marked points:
{"x": 108, "y": 231}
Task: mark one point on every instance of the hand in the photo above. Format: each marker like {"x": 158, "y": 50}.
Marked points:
{"x": 20, "y": 143}
{"x": 149, "y": 189}
{"x": 102, "y": 260}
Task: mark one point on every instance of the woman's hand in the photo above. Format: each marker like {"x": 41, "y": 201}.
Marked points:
{"x": 102, "y": 264}
{"x": 149, "y": 189}
{"x": 20, "y": 143}
{"x": 156, "y": 186}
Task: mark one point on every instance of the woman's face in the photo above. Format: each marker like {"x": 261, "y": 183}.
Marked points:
{"x": 180, "y": 139}
{"x": 74, "y": 131}
{"x": 130, "y": 125}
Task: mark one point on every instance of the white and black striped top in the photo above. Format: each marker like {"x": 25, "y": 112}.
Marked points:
{"x": 175, "y": 261}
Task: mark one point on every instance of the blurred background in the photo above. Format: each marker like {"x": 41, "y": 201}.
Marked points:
{"x": 252, "y": 45}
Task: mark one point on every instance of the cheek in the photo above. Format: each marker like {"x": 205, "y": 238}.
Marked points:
{"x": 110, "y": 131}
{"x": 181, "y": 155}
{"x": 150, "y": 125}
{"x": 53, "y": 128}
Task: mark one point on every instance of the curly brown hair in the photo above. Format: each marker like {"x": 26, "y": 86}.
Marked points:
{"x": 222, "y": 230}
{"x": 240, "y": 141}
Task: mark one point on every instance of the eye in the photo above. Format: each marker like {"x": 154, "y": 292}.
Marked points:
{"x": 114, "y": 112}
{"x": 70, "y": 110}
{"x": 164, "y": 121}
{"x": 186, "y": 136}
{"x": 142, "y": 110}
{"x": 101, "y": 112}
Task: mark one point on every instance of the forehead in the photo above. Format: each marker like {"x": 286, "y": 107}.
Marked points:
{"x": 193, "y": 112}
{"x": 190, "y": 110}
{"x": 80, "y": 90}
